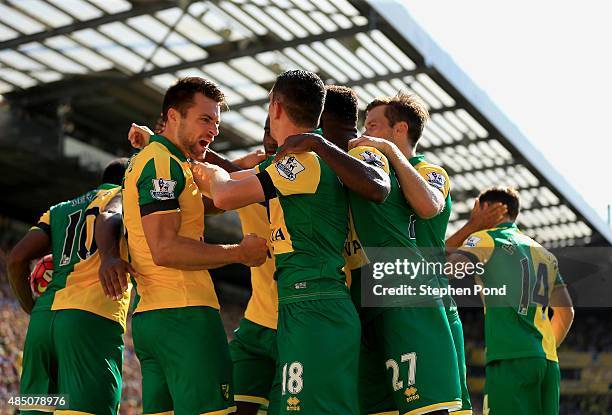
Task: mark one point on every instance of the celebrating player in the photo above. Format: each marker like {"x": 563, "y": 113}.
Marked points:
{"x": 522, "y": 369}
{"x": 74, "y": 343}
{"x": 178, "y": 335}
{"x": 400, "y": 121}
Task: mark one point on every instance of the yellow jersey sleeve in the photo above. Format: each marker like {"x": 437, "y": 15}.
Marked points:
{"x": 44, "y": 223}
{"x": 295, "y": 174}
{"x": 436, "y": 176}
{"x": 371, "y": 156}
{"x": 160, "y": 184}
{"x": 478, "y": 247}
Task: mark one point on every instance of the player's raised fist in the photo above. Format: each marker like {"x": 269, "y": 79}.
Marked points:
{"x": 139, "y": 135}
{"x": 254, "y": 250}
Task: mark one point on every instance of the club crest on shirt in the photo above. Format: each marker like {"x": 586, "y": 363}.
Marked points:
{"x": 289, "y": 167}
{"x": 472, "y": 241}
{"x": 163, "y": 189}
{"x": 436, "y": 179}
{"x": 372, "y": 158}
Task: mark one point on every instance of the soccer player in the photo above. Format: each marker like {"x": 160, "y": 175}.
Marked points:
{"x": 318, "y": 328}
{"x": 522, "y": 370}
{"x": 178, "y": 335}
{"x": 74, "y": 342}
{"x": 400, "y": 121}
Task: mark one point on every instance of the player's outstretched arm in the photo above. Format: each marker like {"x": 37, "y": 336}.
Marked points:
{"x": 35, "y": 244}
{"x": 365, "y": 180}
{"x": 168, "y": 249}
{"x": 426, "y": 201}
{"x": 481, "y": 218}
{"x": 227, "y": 192}
{"x": 563, "y": 312}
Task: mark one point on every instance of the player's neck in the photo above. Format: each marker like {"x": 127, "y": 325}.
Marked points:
{"x": 173, "y": 138}
{"x": 407, "y": 150}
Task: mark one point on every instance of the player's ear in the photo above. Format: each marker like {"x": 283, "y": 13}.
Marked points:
{"x": 401, "y": 129}
{"x": 276, "y": 109}
{"x": 172, "y": 114}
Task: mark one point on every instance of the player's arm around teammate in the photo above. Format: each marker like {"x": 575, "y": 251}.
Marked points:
{"x": 364, "y": 179}
{"x": 388, "y": 129}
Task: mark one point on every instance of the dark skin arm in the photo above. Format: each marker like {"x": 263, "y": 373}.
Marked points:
{"x": 35, "y": 244}
{"x": 363, "y": 179}
{"x": 214, "y": 158}
{"x": 113, "y": 270}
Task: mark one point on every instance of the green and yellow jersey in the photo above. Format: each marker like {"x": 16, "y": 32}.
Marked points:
{"x": 159, "y": 181}
{"x": 431, "y": 233}
{"x": 308, "y": 212}
{"x": 76, "y": 260}
{"x": 516, "y": 324}
{"x": 263, "y": 304}
{"x": 389, "y": 224}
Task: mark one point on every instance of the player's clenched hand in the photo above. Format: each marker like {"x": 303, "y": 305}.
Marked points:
{"x": 486, "y": 217}
{"x": 254, "y": 250}
{"x": 250, "y": 160}
{"x": 113, "y": 276}
{"x": 139, "y": 135}
{"x": 201, "y": 175}
{"x": 300, "y": 143}
{"x": 365, "y": 140}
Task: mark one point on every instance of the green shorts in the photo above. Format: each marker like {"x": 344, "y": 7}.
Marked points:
{"x": 524, "y": 386}
{"x": 408, "y": 363}
{"x": 74, "y": 353}
{"x": 254, "y": 356}
{"x": 457, "y": 331}
{"x": 185, "y": 361}
{"x": 318, "y": 355}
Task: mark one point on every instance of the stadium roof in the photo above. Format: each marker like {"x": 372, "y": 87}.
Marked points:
{"x": 87, "y": 68}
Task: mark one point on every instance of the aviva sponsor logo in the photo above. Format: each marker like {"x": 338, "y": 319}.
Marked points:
{"x": 293, "y": 404}
{"x": 411, "y": 394}
{"x": 277, "y": 235}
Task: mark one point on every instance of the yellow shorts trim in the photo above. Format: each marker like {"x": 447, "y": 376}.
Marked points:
{"x": 464, "y": 412}
{"x": 229, "y": 410}
{"x": 49, "y": 409}
{"x": 437, "y": 406}
{"x": 71, "y": 412}
{"x": 251, "y": 399}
